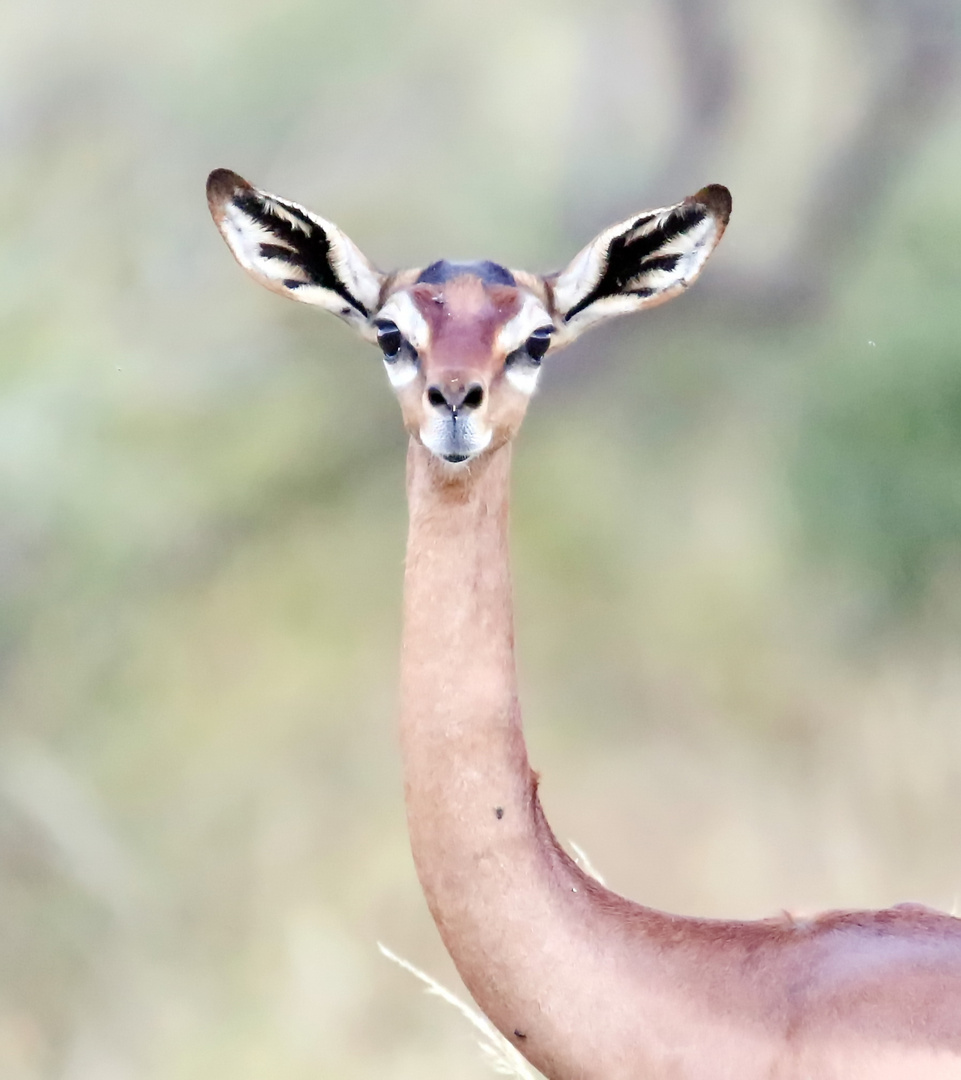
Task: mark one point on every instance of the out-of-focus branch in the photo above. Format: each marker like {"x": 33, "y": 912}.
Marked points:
{"x": 916, "y": 46}
{"x": 707, "y": 67}
{"x": 849, "y": 192}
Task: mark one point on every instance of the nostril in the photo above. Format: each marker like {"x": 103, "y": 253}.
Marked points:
{"x": 474, "y": 397}
{"x": 436, "y": 397}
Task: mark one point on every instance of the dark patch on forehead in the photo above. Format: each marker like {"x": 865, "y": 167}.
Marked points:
{"x": 442, "y": 271}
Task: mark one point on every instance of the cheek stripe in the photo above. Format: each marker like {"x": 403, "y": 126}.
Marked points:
{"x": 401, "y": 373}
{"x": 523, "y": 377}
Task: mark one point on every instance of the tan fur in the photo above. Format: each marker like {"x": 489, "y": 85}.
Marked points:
{"x": 586, "y": 984}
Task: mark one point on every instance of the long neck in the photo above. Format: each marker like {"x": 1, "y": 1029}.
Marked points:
{"x": 469, "y": 786}
{"x": 587, "y": 985}
{"x": 538, "y": 944}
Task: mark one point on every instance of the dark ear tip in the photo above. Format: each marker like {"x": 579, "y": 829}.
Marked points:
{"x": 717, "y": 199}
{"x": 222, "y": 184}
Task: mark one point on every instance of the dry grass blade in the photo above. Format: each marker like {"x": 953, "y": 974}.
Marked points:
{"x": 502, "y": 1056}
{"x": 584, "y": 862}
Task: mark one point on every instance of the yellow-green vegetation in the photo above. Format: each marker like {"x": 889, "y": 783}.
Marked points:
{"x": 737, "y": 518}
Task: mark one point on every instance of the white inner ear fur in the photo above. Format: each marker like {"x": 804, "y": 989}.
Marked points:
{"x": 694, "y": 244}
{"x": 583, "y": 271}
{"x": 346, "y": 259}
{"x": 279, "y": 209}
{"x": 608, "y": 307}
{"x": 245, "y": 235}
{"x": 352, "y": 267}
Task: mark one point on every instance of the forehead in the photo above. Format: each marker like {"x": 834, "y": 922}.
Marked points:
{"x": 465, "y": 310}
{"x": 453, "y": 312}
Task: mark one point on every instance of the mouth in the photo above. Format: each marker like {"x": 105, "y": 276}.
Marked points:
{"x": 455, "y": 441}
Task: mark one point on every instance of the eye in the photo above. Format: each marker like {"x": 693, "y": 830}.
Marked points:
{"x": 538, "y": 342}
{"x": 389, "y": 338}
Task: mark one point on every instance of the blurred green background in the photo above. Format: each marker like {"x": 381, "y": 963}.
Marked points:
{"x": 737, "y": 518}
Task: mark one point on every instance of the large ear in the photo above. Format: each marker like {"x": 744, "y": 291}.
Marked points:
{"x": 640, "y": 262}
{"x": 292, "y": 251}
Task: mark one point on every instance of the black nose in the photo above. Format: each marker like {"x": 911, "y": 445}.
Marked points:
{"x": 456, "y": 398}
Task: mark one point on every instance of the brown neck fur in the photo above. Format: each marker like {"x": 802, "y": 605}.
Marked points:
{"x": 586, "y": 984}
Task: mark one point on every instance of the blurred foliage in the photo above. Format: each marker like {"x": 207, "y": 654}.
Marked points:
{"x": 737, "y": 518}
{"x": 880, "y": 448}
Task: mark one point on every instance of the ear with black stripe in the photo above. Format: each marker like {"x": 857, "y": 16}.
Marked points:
{"x": 640, "y": 262}
{"x": 292, "y": 251}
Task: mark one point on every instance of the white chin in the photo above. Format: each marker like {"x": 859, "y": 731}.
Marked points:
{"x": 455, "y": 452}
